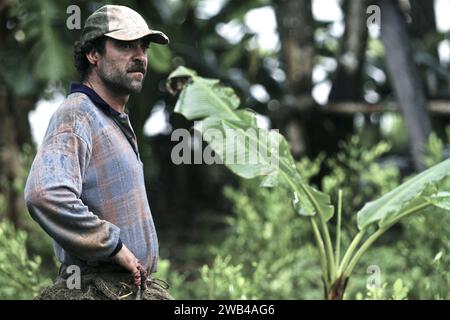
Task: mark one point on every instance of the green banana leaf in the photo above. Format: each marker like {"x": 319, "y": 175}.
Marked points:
{"x": 237, "y": 143}
{"x": 266, "y": 153}
{"x": 426, "y": 202}
{"x": 440, "y": 200}
{"x": 390, "y": 205}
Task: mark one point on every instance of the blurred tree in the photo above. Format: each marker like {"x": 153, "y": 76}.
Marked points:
{"x": 423, "y": 26}
{"x": 36, "y": 54}
{"x": 296, "y": 30}
{"x": 348, "y": 79}
{"x": 22, "y": 82}
{"x": 405, "y": 79}
{"x": 426, "y": 39}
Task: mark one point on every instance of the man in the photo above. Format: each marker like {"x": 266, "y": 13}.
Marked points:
{"x": 86, "y": 186}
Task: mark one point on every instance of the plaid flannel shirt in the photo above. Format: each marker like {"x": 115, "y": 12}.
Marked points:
{"x": 86, "y": 185}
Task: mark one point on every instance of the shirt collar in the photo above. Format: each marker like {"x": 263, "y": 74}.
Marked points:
{"x": 96, "y": 99}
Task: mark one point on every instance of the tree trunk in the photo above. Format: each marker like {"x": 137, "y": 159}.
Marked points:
{"x": 423, "y": 24}
{"x": 295, "y": 23}
{"x": 405, "y": 79}
{"x": 348, "y": 78}
{"x": 349, "y": 73}
{"x": 14, "y": 133}
{"x": 10, "y": 166}
{"x": 296, "y": 29}
{"x": 423, "y": 31}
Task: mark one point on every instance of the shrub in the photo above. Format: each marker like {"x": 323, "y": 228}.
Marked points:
{"x": 269, "y": 253}
{"x": 20, "y": 276}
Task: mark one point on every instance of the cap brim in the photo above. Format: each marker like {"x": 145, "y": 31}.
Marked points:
{"x": 137, "y": 33}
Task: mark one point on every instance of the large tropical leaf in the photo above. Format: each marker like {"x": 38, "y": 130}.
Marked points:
{"x": 246, "y": 150}
{"x": 265, "y": 153}
{"x": 440, "y": 200}
{"x": 389, "y": 205}
{"x": 429, "y": 199}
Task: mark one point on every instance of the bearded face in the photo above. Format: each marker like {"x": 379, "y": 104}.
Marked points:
{"x": 123, "y": 65}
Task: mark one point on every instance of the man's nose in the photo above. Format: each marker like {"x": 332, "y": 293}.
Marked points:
{"x": 140, "y": 54}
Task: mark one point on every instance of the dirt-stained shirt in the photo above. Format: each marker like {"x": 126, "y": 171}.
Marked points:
{"x": 86, "y": 185}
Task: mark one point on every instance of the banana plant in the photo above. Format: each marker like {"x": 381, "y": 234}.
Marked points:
{"x": 215, "y": 107}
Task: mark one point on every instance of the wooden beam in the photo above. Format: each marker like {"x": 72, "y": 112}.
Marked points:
{"x": 435, "y": 107}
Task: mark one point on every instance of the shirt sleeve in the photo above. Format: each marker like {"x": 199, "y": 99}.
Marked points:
{"x": 52, "y": 195}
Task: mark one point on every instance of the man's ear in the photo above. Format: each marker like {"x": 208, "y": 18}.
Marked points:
{"x": 92, "y": 57}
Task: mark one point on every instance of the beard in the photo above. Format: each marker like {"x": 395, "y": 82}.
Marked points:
{"x": 122, "y": 82}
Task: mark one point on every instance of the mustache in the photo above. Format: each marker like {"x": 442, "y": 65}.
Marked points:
{"x": 137, "y": 67}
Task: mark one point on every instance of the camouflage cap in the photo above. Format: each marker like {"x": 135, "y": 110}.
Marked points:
{"x": 121, "y": 23}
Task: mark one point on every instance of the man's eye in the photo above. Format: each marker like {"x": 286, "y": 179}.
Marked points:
{"x": 125, "y": 45}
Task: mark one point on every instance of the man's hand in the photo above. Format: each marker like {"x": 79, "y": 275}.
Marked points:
{"x": 127, "y": 260}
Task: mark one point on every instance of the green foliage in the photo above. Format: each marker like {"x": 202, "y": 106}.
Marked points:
{"x": 266, "y": 253}
{"x": 226, "y": 281}
{"x": 20, "y": 276}
{"x": 398, "y": 291}
{"x": 394, "y": 204}
{"x": 160, "y": 58}
{"x": 38, "y": 242}
{"x": 435, "y": 150}
{"x": 393, "y": 129}
{"x": 428, "y": 255}
{"x": 356, "y": 167}
{"x": 269, "y": 253}
{"x": 265, "y": 237}
{"x": 38, "y": 55}
{"x": 26, "y": 254}
{"x": 264, "y": 234}
{"x": 173, "y": 278}
{"x": 215, "y": 107}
